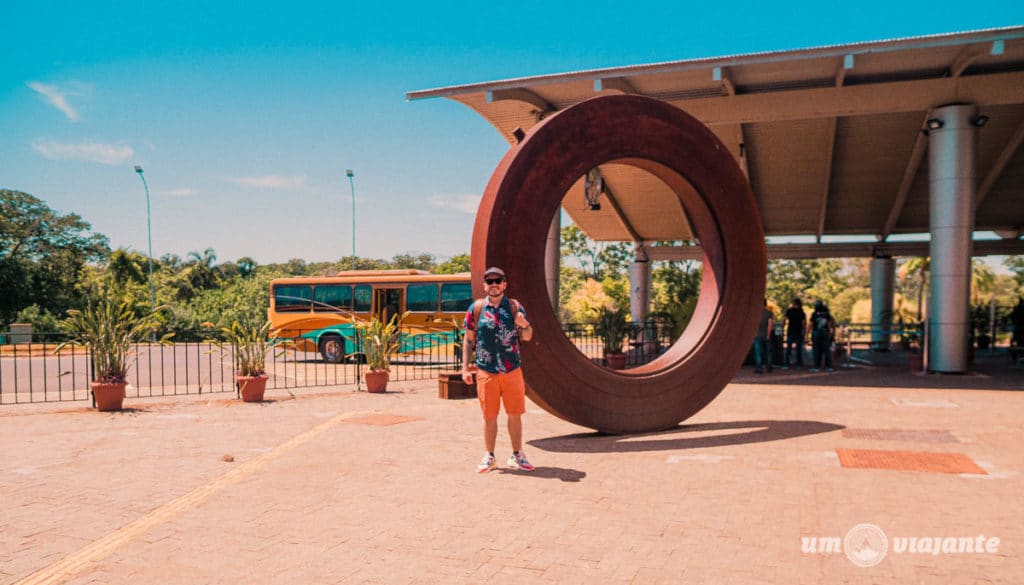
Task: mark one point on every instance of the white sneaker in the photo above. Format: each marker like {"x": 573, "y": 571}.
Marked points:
{"x": 488, "y": 463}
{"x": 519, "y": 462}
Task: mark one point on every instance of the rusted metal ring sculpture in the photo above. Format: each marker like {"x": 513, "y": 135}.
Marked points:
{"x": 511, "y": 229}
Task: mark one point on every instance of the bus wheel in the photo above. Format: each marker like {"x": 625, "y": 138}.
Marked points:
{"x": 332, "y": 347}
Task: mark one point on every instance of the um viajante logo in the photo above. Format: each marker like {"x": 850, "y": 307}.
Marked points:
{"x": 865, "y": 545}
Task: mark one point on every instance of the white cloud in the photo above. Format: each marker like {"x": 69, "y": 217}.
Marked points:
{"x": 178, "y": 192}
{"x": 108, "y": 154}
{"x": 271, "y": 181}
{"x": 463, "y": 203}
{"x": 56, "y": 97}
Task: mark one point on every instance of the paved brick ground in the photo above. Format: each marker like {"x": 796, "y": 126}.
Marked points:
{"x": 146, "y": 496}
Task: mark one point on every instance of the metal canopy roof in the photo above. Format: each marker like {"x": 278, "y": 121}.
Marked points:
{"x": 831, "y": 138}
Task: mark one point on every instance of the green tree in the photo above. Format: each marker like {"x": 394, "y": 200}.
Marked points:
{"x": 418, "y": 261}
{"x": 356, "y": 263}
{"x": 42, "y": 254}
{"x": 201, "y": 269}
{"x": 595, "y": 258}
{"x": 914, "y": 274}
{"x": 454, "y": 265}
{"x": 812, "y": 280}
{"x": 126, "y": 266}
{"x": 1016, "y": 265}
{"x": 246, "y": 266}
{"x": 790, "y": 279}
{"x": 171, "y": 262}
{"x": 842, "y": 304}
{"x": 675, "y": 288}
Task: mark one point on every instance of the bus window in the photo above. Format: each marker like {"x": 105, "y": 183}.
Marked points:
{"x": 292, "y": 298}
{"x": 363, "y": 298}
{"x": 421, "y": 298}
{"x": 456, "y": 297}
{"x": 332, "y": 297}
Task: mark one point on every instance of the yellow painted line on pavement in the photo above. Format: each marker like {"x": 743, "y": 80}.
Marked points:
{"x": 70, "y": 566}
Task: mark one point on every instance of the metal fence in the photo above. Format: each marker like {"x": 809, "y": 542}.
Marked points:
{"x": 645, "y": 341}
{"x": 31, "y": 371}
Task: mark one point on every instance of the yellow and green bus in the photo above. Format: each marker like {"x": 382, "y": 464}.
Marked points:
{"x": 318, "y": 313}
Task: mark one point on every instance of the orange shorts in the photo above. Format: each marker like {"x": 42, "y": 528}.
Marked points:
{"x": 494, "y": 389}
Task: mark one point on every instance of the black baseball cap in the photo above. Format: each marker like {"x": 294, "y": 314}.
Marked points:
{"x": 494, "y": 270}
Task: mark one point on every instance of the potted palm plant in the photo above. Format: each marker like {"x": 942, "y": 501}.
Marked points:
{"x": 379, "y": 341}
{"x": 612, "y": 328}
{"x": 910, "y": 341}
{"x": 109, "y": 330}
{"x": 250, "y": 343}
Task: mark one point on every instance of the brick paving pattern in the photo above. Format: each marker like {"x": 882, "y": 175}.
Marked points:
{"x": 191, "y": 490}
{"x": 908, "y": 461}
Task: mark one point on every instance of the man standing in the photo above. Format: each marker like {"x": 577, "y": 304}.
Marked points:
{"x": 822, "y": 325}
{"x": 1017, "y": 319}
{"x": 762, "y": 349}
{"x": 796, "y": 323}
{"x": 493, "y": 327}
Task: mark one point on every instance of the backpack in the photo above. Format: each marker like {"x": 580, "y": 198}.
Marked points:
{"x": 822, "y": 321}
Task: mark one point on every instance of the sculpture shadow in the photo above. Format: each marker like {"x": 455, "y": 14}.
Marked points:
{"x": 756, "y": 431}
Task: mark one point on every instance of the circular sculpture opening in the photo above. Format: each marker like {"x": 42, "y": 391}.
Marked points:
{"x": 511, "y": 229}
{"x": 670, "y": 287}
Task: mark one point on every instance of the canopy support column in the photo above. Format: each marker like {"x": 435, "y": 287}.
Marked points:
{"x": 951, "y": 159}
{"x": 640, "y": 285}
{"x": 883, "y": 271}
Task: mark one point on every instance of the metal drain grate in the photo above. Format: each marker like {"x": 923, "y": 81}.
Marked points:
{"x": 908, "y": 461}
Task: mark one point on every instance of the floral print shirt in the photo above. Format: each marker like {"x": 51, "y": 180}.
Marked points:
{"x": 497, "y": 343}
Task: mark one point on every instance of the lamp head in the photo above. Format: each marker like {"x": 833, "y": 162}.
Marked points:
{"x": 138, "y": 169}
{"x": 349, "y": 173}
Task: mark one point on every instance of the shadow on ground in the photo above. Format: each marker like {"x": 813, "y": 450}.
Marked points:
{"x": 566, "y": 475}
{"x": 694, "y": 436}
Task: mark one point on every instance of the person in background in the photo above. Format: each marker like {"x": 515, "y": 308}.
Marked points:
{"x": 1017, "y": 318}
{"x": 762, "y": 357}
{"x": 821, "y": 327}
{"x": 795, "y": 325}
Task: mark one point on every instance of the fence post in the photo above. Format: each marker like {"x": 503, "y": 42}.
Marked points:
{"x": 359, "y": 362}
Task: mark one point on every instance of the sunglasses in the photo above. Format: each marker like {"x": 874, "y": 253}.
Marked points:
{"x": 494, "y": 280}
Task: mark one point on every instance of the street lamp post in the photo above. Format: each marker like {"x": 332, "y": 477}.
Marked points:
{"x": 352, "y": 184}
{"x": 149, "y": 233}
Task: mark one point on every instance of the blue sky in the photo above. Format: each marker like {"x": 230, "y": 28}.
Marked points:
{"x": 245, "y": 116}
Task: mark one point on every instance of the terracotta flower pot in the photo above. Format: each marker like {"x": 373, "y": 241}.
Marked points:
{"x": 616, "y": 361}
{"x": 376, "y": 381}
{"x": 252, "y": 387}
{"x": 109, "y": 397}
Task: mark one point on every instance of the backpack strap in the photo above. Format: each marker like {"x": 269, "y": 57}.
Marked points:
{"x": 478, "y": 306}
